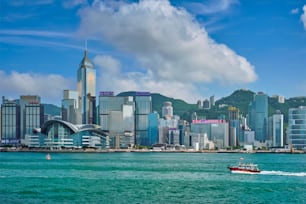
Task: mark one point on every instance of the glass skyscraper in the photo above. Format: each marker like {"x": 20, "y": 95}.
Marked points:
{"x": 116, "y": 116}
{"x": 258, "y": 116}
{"x": 87, "y": 90}
{"x": 276, "y": 126}
{"x": 297, "y": 127}
{"x": 143, "y": 102}
{"x": 70, "y": 107}
{"x": 10, "y": 122}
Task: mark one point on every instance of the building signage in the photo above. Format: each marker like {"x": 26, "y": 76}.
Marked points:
{"x": 10, "y": 141}
{"x": 106, "y": 93}
{"x": 208, "y": 121}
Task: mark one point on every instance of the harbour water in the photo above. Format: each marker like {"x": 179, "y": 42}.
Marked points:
{"x": 150, "y": 178}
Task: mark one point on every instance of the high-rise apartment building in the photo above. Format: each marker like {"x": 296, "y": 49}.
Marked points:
{"x": 297, "y": 127}
{"x": 258, "y": 116}
{"x": 87, "y": 90}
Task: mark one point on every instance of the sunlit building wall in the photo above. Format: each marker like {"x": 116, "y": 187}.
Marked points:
{"x": 217, "y": 131}
{"x": 70, "y": 107}
{"x": 116, "y": 116}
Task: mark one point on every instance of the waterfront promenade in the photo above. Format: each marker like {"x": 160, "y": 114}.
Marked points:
{"x": 92, "y": 150}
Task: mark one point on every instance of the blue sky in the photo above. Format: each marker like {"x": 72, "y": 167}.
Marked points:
{"x": 185, "y": 49}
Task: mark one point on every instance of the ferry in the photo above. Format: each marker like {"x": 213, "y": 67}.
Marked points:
{"x": 244, "y": 168}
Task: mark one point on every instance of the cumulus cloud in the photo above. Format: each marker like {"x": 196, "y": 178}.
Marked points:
{"x": 176, "y": 53}
{"x": 48, "y": 87}
{"x": 114, "y": 79}
{"x": 303, "y": 16}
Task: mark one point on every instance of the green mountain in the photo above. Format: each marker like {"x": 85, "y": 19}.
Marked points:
{"x": 239, "y": 99}
{"x": 51, "y": 109}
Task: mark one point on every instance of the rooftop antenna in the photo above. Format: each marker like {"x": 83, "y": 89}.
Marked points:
{"x": 86, "y": 44}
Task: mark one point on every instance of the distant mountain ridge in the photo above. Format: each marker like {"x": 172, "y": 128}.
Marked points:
{"x": 239, "y": 99}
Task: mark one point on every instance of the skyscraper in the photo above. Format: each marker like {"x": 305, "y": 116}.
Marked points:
{"x": 70, "y": 107}
{"x": 258, "y": 116}
{"x": 234, "y": 125}
{"x": 275, "y": 133}
{"x": 31, "y": 114}
{"x": 143, "y": 105}
{"x": 87, "y": 90}
{"x": 297, "y": 127}
{"x": 116, "y": 116}
{"x": 10, "y": 122}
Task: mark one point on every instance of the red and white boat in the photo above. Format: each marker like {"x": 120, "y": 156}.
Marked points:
{"x": 245, "y": 168}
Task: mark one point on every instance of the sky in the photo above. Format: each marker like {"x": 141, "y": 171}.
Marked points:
{"x": 184, "y": 49}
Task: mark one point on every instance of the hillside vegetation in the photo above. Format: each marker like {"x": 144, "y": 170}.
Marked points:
{"x": 239, "y": 99}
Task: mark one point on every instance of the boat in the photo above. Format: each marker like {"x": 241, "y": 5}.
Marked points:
{"x": 48, "y": 157}
{"x": 244, "y": 168}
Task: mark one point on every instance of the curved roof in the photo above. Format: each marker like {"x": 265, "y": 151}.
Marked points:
{"x": 73, "y": 128}
{"x": 86, "y": 62}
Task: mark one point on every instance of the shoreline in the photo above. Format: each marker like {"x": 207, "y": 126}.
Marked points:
{"x": 146, "y": 151}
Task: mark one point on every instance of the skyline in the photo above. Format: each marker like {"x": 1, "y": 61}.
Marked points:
{"x": 183, "y": 49}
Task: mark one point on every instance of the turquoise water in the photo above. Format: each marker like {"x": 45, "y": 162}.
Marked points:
{"x": 150, "y": 178}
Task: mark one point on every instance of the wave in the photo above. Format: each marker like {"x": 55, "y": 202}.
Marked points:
{"x": 283, "y": 173}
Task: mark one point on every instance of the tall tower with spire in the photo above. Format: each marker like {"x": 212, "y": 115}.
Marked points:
{"x": 87, "y": 90}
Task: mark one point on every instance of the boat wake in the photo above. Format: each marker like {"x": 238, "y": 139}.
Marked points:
{"x": 283, "y": 173}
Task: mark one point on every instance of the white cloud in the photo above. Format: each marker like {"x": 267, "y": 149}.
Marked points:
{"x": 295, "y": 11}
{"x": 175, "y": 51}
{"x": 113, "y": 79}
{"x": 48, "y": 87}
{"x": 303, "y": 16}
{"x": 211, "y": 6}
{"x": 73, "y": 3}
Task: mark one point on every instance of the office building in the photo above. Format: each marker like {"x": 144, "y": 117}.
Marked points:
{"x": 258, "y": 116}
{"x": 143, "y": 107}
{"x": 27, "y": 121}
{"x": 276, "y": 129}
{"x": 297, "y": 127}
{"x": 70, "y": 107}
{"x": 33, "y": 117}
{"x": 212, "y": 100}
{"x": 87, "y": 91}
{"x": 217, "y": 131}
{"x": 153, "y": 128}
{"x": 116, "y": 117}
{"x": 206, "y": 104}
{"x": 234, "y": 126}
{"x": 10, "y": 122}
{"x": 167, "y": 110}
